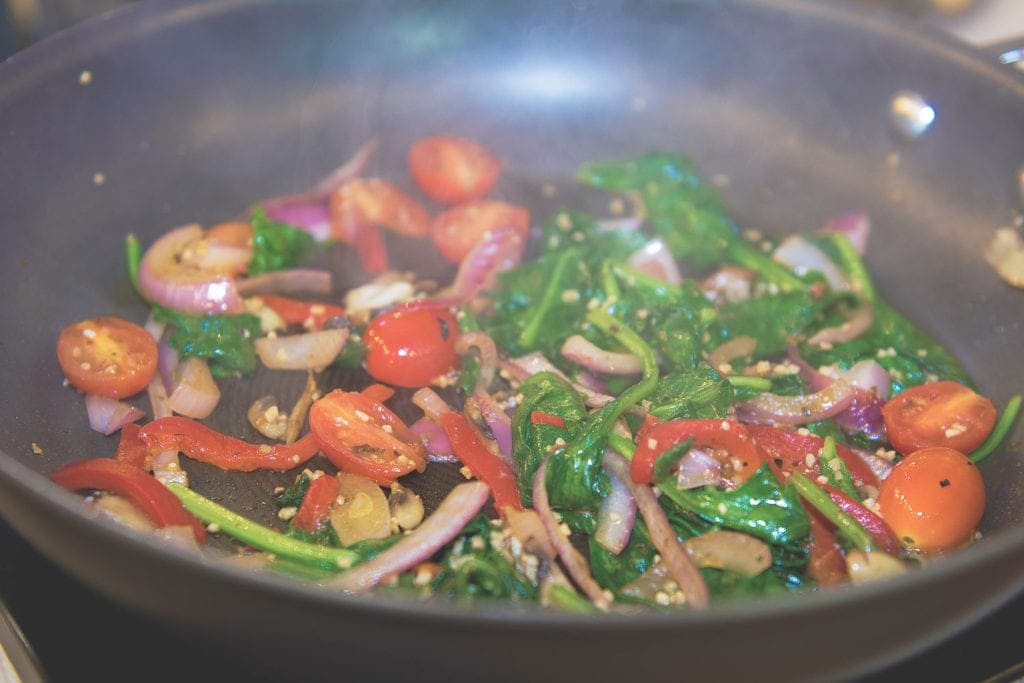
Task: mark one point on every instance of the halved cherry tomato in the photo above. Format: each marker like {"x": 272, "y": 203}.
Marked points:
{"x": 310, "y": 314}
{"x": 933, "y": 499}
{"x": 410, "y": 347}
{"x": 199, "y": 442}
{"x": 107, "y": 356}
{"x": 361, "y": 436}
{"x": 316, "y": 505}
{"x": 729, "y": 440}
{"x": 374, "y": 202}
{"x": 146, "y": 493}
{"x": 469, "y": 448}
{"x": 788, "y": 450}
{"x": 456, "y": 231}
{"x": 938, "y": 414}
{"x": 451, "y": 170}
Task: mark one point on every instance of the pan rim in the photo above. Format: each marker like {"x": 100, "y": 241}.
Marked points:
{"x": 70, "y": 47}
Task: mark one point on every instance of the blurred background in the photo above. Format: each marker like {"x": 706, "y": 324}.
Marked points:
{"x": 981, "y": 22}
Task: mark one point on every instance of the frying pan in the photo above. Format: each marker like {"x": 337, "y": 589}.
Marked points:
{"x": 191, "y": 111}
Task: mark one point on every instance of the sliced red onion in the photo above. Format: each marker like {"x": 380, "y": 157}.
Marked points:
{"x": 866, "y": 374}
{"x": 615, "y": 517}
{"x": 288, "y": 281}
{"x": 167, "y": 468}
{"x": 769, "y": 408}
{"x": 879, "y": 465}
{"x": 352, "y": 168}
{"x": 455, "y": 511}
{"x": 166, "y": 465}
{"x": 498, "y": 250}
{"x": 591, "y": 382}
{"x": 439, "y": 448}
{"x": 870, "y": 382}
{"x": 859, "y": 321}
{"x": 802, "y": 256}
{"x": 655, "y": 259}
{"x": 157, "y": 392}
{"x": 497, "y": 421}
{"x": 698, "y": 468}
{"x": 487, "y": 355}
{"x": 432, "y": 405}
{"x": 195, "y": 393}
{"x": 737, "y": 347}
{"x": 580, "y": 350}
{"x": 856, "y": 226}
{"x": 313, "y": 216}
{"x": 680, "y": 565}
{"x": 308, "y": 351}
{"x": 107, "y": 415}
{"x": 167, "y": 362}
{"x": 522, "y": 367}
{"x": 729, "y": 284}
{"x": 573, "y": 560}
{"x": 165, "y": 279}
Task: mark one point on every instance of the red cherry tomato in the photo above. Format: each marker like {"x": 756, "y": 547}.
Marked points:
{"x": 372, "y": 202}
{"x": 457, "y": 230}
{"x": 107, "y": 356}
{"x": 938, "y": 414}
{"x": 410, "y": 347}
{"x": 933, "y": 500}
{"x": 361, "y": 436}
{"x": 452, "y": 170}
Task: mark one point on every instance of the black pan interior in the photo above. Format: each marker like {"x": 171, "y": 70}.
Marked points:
{"x": 192, "y": 111}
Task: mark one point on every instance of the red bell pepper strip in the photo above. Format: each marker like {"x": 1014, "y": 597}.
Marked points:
{"x": 199, "y": 442}
{"x": 378, "y": 392}
{"x": 310, "y": 314}
{"x": 539, "y": 417}
{"x": 875, "y": 525}
{"x": 826, "y": 564}
{"x": 725, "y": 435}
{"x": 788, "y": 450}
{"x": 151, "y": 497}
{"x": 485, "y": 465}
{"x": 316, "y": 505}
{"x": 132, "y": 450}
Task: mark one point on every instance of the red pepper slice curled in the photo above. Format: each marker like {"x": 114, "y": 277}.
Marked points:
{"x": 316, "y": 505}
{"x": 199, "y": 442}
{"x": 722, "y": 435}
{"x": 485, "y": 465}
{"x": 151, "y": 497}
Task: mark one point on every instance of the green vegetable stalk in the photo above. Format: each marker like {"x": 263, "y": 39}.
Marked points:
{"x": 261, "y": 537}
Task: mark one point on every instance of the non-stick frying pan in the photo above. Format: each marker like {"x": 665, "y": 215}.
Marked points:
{"x": 190, "y": 111}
